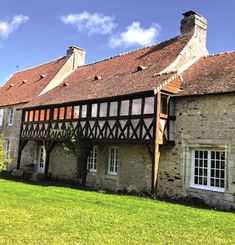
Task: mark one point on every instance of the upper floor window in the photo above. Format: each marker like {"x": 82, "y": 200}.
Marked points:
{"x": 208, "y": 169}
{"x": 94, "y": 110}
{"x": 84, "y": 111}
{"x": 136, "y": 106}
{"x": 7, "y": 148}
{"x": 103, "y": 109}
{"x": 113, "y": 160}
{"x": 124, "y": 108}
{"x": 113, "y": 109}
{"x": 10, "y": 116}
{"x": 76, "y": 111}
{"x": 149, "y": 105}
{"x": 92, "y": 159}
{"x": 1, "y": 116}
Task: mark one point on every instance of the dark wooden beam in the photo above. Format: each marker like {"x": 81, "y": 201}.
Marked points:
{"x": 85, "y": 148}
{"x": 48, "y": 148}
{"x": 22, "y": 144}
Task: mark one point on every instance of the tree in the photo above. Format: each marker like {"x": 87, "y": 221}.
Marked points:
{"x": 3, "y": 160}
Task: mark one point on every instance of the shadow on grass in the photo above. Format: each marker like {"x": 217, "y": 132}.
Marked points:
{"x": 188, "y": 202}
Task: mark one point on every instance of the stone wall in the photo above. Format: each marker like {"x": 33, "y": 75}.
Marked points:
{"x": 11, "y": 132}
{"x": 205, "y": 122}
{"x": 134, "y": 166}
{"x": 62, "y": 164}
{"x": 29, "y": 154}
{"x": 134, "y": 169}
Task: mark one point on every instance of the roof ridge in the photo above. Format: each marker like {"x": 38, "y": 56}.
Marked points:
{"x": 131, "y": 51}
{"x": 30, "y": 68}
{"x": 221, "y": 53}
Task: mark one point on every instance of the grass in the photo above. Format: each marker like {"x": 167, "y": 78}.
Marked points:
{"x": 31, "y": 214}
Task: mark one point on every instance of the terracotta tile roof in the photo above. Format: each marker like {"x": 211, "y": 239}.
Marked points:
{"x": 117, "y": 75}
{"x": 211, "y": 74}
{"x": 25, "y": 85}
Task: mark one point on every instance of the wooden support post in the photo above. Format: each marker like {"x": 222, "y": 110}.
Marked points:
{"x": 85, "y": 149}
{"x": 156, "y": 144}
{"x": 48, "y": 148}
{"x": 22, "y": 144}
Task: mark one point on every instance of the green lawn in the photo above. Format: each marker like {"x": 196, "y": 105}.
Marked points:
{"x": 32, "y": 214}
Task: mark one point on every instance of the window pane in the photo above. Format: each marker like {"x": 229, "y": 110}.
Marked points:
{"x": 48, "y": 115}
{"x": 209, "y": 168}
{"x": 42, "y": 115}
{"x": 164, "y": 104}
{"x": 94, "y": 108}
{"x": 36, "y": 115}
{"x": 92, "y": 159}
{"x": 113, "y": 161}
{"x": 69, "y": 112}
{"x": 218, "y": 169}
{"x": 136, "y": 106}
{"x": 125, "y": 108}
{"x": 103, "y": 109}
{"x": 149, "y": 105}
{"x": 76, "y": 112}
{"x": 31, "y": 116}
{"x": 55, "y": 116}
{"x": 61, "y": 115}
{"x": 113, "y": 109}
{"x": 200, "y": 167}
{"x": 84, "y": 110}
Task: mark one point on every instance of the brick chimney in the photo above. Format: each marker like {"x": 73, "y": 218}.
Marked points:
{"x": 78, "y": 54}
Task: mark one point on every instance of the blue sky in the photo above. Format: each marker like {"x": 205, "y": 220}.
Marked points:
{"x": 36, "y": 31}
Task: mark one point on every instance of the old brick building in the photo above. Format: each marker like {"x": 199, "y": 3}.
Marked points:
{"x": 155, "y": 119}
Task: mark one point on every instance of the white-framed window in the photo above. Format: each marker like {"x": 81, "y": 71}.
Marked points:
{"x": 7, "y": 147}
{"x": 93, "y": 159}
{"x": 113, "y": 160}
{"x": 41, "y": 159}
{"x": 208, "y": 169}
{"x": 1, "y": 116}
{"x": 10, "y": 116}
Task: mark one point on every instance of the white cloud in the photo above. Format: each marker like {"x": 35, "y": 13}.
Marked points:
{"x": 6, "y": 28}
{"x": 136, "y": 35}
{"x": 93, "y": 23}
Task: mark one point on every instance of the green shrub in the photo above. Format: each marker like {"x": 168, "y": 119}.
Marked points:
{"x": 3, "y": 160}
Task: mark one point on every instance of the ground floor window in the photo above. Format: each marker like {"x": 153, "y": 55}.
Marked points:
{"x": 41, "y": 159}
{"x": 113, "y": 160}
{"x": 92, "y": 159}
{"x": 7, "y": 146}
{"x": 208, "y": 169}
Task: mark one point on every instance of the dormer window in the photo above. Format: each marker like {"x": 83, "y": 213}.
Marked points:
{"x": 140, "y": 68}
{"x": 64, "y": 84}
{"x": 97, "y": 77}
{"x": 42, "y": 76}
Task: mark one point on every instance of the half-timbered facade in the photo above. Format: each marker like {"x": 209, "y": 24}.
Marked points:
{"x": 155, "y": 119}
{"x": 118, "y": 111}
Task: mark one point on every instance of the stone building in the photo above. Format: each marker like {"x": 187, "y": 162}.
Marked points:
{"x": 24, "y": 86}
{"x": 156, "y": 119}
